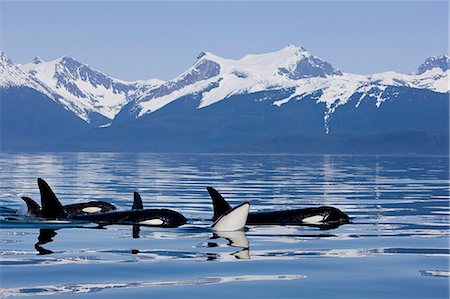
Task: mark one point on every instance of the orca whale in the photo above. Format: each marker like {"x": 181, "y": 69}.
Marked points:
{"x": 232, "y": 219}
{"x": 323, "y": 217}
{"x": 34, "y": 209}
{"x": 53, "y": 209}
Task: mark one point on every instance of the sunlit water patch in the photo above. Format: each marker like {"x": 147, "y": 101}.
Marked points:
{"x": 397, "y": 245}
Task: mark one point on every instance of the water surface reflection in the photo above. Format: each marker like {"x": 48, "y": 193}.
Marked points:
{"x": 398, "y": 236}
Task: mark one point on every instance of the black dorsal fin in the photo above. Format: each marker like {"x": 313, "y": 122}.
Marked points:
{"x": 137, "y": 202}
{"x": 220, "y": 205}
{"x": 51, "y": 207}
{"x": 33, "y": 208}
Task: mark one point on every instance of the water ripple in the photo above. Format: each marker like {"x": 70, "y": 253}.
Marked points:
{"x": 399, "y": 207}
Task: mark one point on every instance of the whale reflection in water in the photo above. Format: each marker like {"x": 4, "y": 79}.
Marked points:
{"x": 235, "y": 239}
{"x": 45, "y": 236}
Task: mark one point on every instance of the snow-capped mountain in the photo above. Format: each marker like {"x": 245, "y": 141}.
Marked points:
{"x": 220, "y": 102}
{"x": 84, "y": 90}
{"x": 291, "y": 68}
{"x": 217, "y": 78}
{"x": 11, "y": 75}
{"x": 89, "y": 93}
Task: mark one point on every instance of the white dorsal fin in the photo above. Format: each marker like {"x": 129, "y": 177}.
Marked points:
{"x": 233, "y": 219}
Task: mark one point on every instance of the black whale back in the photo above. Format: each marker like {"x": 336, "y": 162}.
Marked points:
{"x": 296, "y": 216}
{"x": 169, "y": 218}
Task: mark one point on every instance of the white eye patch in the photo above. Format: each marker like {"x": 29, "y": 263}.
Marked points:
{"x": 152, "y": 222}
{"x": 313, "y": 219}
{"x": 91, "y": 210}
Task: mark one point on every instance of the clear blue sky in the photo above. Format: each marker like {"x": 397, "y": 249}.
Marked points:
{"x": 142, "y": 40}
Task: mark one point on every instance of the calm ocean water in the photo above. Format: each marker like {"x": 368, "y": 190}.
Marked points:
{"x": 396, "y": 247}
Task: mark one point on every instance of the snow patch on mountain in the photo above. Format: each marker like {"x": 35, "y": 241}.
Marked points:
{"x": 158, "y": 102}
{"x": 83, "y": 89}
{"x": 86, "y": 91}
{"x": 291, "y": 68}
{"x": 12, "y": 76}
{"x": 251, "y": 73}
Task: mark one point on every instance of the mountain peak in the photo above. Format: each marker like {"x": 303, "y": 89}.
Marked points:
{"x": 37, "y": 60}
{"x": 12, "y": 75}
{"x": 438, "y": 61}
{"x": 67, "y": 60}
{"x": 294, "y": 49}
{"x": 204, "y": 55}
{"x": 5, "y": 59}
{"x": 302, "y": 64}
{"x": 201, "y": 55}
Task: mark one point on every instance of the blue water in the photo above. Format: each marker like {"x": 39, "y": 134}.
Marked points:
{"x": 396, "y": 247}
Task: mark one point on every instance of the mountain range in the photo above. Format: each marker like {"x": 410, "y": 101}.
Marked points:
{"x": 283, "y": 101}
